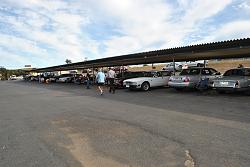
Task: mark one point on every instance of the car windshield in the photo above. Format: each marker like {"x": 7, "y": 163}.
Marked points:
{"x": 234, "y": 72}
{"x": 190, "y": 72}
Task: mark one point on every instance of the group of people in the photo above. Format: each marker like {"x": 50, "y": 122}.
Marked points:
{"x": 109, "y": 78}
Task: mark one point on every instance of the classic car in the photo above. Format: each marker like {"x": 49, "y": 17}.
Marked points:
{"x": 65, "y": 78}
{"x": 233, "y": 80}
{"x": 126, "y": 75}
{"x": 149, "y": 80}
{"x": 194, "y": 77}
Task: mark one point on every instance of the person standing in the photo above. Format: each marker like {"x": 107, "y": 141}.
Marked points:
{"x": 87, "y": 80}
{"x": 100, "y": 79}
{"x": 111, "y": 80}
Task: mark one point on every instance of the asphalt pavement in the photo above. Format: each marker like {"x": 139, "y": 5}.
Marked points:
{"x": 60, "y": 125}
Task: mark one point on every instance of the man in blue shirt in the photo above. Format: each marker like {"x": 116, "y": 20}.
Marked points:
{"x": 100, "y": 79}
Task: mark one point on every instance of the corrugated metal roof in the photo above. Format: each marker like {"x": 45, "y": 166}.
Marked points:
{"x": 236, "y": 48}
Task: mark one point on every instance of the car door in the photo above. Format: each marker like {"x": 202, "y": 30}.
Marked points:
{"x": 161, "y": 78}
{"x": 213, "y": 74}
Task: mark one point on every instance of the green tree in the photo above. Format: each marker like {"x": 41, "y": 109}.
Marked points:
{"x": 67, "y": 61}
{"x": 3, "y": 73}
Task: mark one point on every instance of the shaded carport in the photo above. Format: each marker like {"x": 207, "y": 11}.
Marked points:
{"x": 239, "y": 48}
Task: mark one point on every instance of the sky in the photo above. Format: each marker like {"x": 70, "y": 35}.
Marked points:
{"x": 44, "y": 33}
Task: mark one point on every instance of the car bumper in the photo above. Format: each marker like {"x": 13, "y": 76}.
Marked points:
{"x": 62, "y": 80}
{"x": 232, "y": 89}
{"x": 132, "y": 86}
{"x": 181, "y": 84}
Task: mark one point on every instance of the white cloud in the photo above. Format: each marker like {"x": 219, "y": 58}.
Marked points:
{"x": 56, "y": 30}
{"x": 8, "y": 58}
{"x": 198, "y": 10}
{"x": 245, "y": 6}
{"x": 147, "y": 23}
{"x": 65, "y": 24}
{"x": 231, "y": 30}
{"x": 22, "y": 45}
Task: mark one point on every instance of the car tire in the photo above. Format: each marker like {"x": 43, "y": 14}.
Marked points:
{"x": 145, "y": 86}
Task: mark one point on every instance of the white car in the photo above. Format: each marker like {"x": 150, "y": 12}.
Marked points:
{"x": 184, "y": 65}
{"x": 170, "y": 66}
{"x": 150, "y": 79}
{"x": 13, "y": 77}
{"x": 65, "y": 78}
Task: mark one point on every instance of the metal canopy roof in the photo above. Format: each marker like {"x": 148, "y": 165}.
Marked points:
{"x": 238, "y": 48}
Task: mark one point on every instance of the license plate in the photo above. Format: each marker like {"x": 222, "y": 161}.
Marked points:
{"x": 127, "y": 86}
{"x": 224, "y": 83}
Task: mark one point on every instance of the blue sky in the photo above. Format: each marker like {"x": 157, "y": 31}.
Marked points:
{"x": 47, "y": 32}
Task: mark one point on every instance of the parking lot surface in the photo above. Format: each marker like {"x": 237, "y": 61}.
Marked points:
{"x": 59, "y": 125}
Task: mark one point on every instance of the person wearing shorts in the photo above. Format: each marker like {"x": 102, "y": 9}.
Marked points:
{"x": 100, "y": 79}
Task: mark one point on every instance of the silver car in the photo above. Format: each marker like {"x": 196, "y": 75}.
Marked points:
{"x": 194, "y": 77}
{"x": 233, "y": 80}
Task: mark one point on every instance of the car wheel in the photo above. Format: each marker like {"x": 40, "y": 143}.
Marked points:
{"x": 145, "y": 86}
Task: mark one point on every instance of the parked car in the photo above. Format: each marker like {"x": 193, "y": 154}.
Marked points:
{"x": 127, "y": 75}
{"x": 13, "y": 77}
{"x": 20, "y": 77}
{"x": 33, "y": 78}
{"x": 233, "y": 80}
{"x": 194, "y": 77}
{"x": 170, "y": 66}
{"x": 183, "y": 65}
{"x": 54, "y": 78}
{"x": 66, "y": 78}
{"x": 149, "y": 80}
{"x": 79, "y": 79}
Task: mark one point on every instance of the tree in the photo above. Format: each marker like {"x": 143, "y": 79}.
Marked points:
{"x": 68, "y": 61}
{"x": 3, "y": 73}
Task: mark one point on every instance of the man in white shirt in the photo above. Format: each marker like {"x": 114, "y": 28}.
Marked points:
{"x": 111, "y": 80}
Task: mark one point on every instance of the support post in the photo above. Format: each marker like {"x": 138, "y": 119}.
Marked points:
{"x": 93, "y": 72}
{"x": 174, "y": 66}
{"x": 122, "y": 71}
